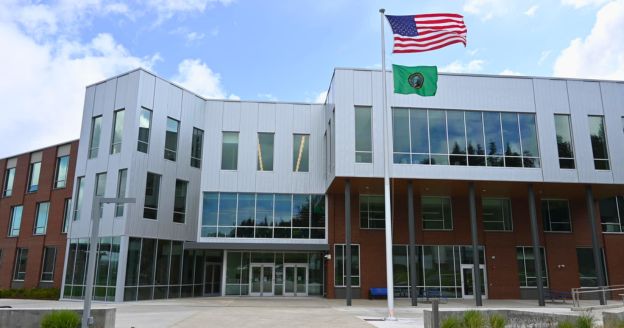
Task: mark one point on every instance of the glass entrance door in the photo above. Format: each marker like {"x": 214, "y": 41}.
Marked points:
{"x": 296, "y": 280}
{"x": 212, "y": 279}
{"x": 468, "y": 281}
{"x": 261, "y": 279}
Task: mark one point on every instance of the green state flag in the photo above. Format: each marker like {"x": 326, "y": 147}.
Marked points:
{"x": 421, "y": 80}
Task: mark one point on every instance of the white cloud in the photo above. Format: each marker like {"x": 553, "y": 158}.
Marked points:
{"x": 582, "y": 3}
{"x": 457, "y": 66}
{"x": 601, "y": 53}
{"x": 487, "y": 9}
{"x": 167, "y": 8}
{"x": 531, "y": 11}
{"x": 197, "y": 77}
{"x": 507, "y": 71}
{"x": 322, "y": 96}
{"x": 545, "y": 54}
{"x": 194, "y": 36}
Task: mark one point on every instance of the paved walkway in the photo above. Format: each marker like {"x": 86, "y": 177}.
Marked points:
{"x": 241, "y": 312}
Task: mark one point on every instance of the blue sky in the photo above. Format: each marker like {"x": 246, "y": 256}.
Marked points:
{"x": 269, "y": 50}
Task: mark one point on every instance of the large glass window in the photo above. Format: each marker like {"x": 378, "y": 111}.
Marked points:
{"x": 556, "y": 215}
{"x": 179, "y": 204}
{"x": 60, "y": 176}
{"x": 340, "y": 264}
{"x": 9, "y": 178}
{"x": 118, "y": 123}
{"x": 372, "y": 212}
{"x": 145, "y": 121}
{"x": 122, "y": 177}
{"x": 171, "y": 139}
{"x": 527, "y": 269}
{"x": 497, "y": 214}
{"x": 152, "y": 188}
{"x": 474, "y": 139}
{"x": 437, "y": 213}
{"x": 611, "y": 212}
{"x": 599, "y": 142}
{"x": 197, "y": 142}
{"x": 21, "y": 257}
{"x": 16, "y": 220}
{"x": 47, "y": 266}
{"x": 363, "y": 135}
{"x": 587, "y": 269}
{"x": 41, "y": 221}
{"x": 565, "y": 146}
{"x": 248, "y": 215}
{"x": 456, "y": 137}
{"x": 79, "y": 197}
{"x": 229, "y": 151}
{"x": 301, "y": 153}
{"x": 94, "y": 140}
{"x": 67, "y": 210}
{"x": 33, "y": 179}
{"x": 265, "y": 151}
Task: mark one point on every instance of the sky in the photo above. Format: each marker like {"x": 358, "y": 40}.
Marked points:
{"x": 269, "y": 50}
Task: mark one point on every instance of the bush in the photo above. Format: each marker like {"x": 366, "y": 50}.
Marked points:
{"x": 451, "y": 322}
{"x": 61, "y": 319}
{"x": 566, "y": 324}
{"x": 497, "y": 321}
{"x": 585, "y": 321}
{"x": 33, "y": 293}
{"x": 473, "y": 319}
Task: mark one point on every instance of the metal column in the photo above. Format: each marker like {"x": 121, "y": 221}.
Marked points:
{"x": 591, "y": 216}
{"x": 412, "y": 244}
{"x": 347, "y": 259}
{"x": 537, "y": 255}
{"x": 476, "y": 273}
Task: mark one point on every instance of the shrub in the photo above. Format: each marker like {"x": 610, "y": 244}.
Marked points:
{"x": 451, "y": 322}
{"x": 61, "y": 319}
{"x": 33, "y": 293}
{"x": 566, "y": 324}
{"x": 497, "y": 321}
{"x": 473, "y": 319}
{"x": 585, "y": 321}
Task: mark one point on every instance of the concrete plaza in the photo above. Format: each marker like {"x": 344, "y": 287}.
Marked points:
{"x": 243, "y": 312}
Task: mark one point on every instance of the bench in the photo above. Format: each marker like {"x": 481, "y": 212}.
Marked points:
{"x": 374, "y": 293}
{"x": 554, "y": 295}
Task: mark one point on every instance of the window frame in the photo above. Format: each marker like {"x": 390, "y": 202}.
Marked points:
{"x": 422, "y": 216}
{"x": 366, "y": 215}
{"x": 18, "y": 256}
{"x": 183, "y": 213}
{"x": 484, "y": 222}
{"x": 370, "y": 135}
{"x": 157, "y": 181}
{"x": 260, "y": 160}
{"x": 34, "y": 167}
{"x": 14, "y": 229}
{"x": 524, "y": 267}
{"x": 115, "y": 145}
{"x": 173, "y": 153}
{"x": 44, "y": 262}
{"x": 93, "y": 150}
{"x": 606, "y": 143}
{"x": 140, "y": 142}
{"x": 545, "y": 220}
{"x": 44, "y": 224}
{"x": 359, "y": 267}
{"x": 618, "y": 200}
{"x": 79, "y": 197}
{"x": 197, "y": 147}
{"x": 571, "y": 136}
{"x": 233, "y": 167}
{"x": 57, "y": 172}
{"x": 122, "y": 174}
{"x": 67, "y": 211}
{"x": 301, "y": 153}
{"x": 9, "y": 176}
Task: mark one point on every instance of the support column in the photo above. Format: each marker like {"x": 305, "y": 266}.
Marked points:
{"x": 537, "y": 255}
{"x": 476, "y": 273}
{"x": 591, "y": 216}
{"x": 412, "y": 244}
{"x": 347, "y": 259}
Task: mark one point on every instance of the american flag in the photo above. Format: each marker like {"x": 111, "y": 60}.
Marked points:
{"x": 418, "y": 33}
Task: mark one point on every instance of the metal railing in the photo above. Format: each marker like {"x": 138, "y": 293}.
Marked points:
{"x": 603, "y": 293}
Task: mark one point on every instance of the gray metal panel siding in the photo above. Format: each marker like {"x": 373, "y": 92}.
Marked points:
{"x": 613, "y": 104}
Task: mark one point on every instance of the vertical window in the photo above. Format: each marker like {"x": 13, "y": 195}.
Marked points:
{"x": 340, "y": 265}
{"x": 363, "y": 135}
{"x": 456, "y": 137}
{"x": 565, "y": 146}
{"x": 528, "y": 138}
{"x": 60, "y": 176}
{"x": 118, "y": 123}
{"x": 493, "y": 138}
{"x": 152, "y": 187}
{"x": 437, "y": 213}
{"x": 16, "y": 220}
{"x": 527, "y": 269}
{"x": 122, "y": 178}
{"x": 497, "y": 214}
{"x": 33, "y": 179}
{"x": 145, "y": 121}
{"x": 300, "y": 152}
{"x": 437, "y": 137}
{"x": 611, "y": 212}
{"x": 41, "y": 221}
{"x": 229, "y": 151}
{"x": 100, "y": 184}
{"x": 9, "y": 178}
{"x": 171, "y": 139}
{"x": 599, "y": 142}
{"x": 47, "y": 267}
{"x": 94, "y": 141}
{"x": 20, "y": 264}
{"x": 79, "y": 196}
{"x": 556, "y": 215}
{"x": 372, "y": 212}
{"x": 587, "y": 269}
{"x": 474, "y": 139}
{"x": 265, "y": 151}
{"x": 196, "y": 147}
{"x": 179, "y": 206}
{"x": 67, "y": 210}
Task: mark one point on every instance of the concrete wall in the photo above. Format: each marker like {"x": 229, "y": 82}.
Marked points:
{"x": 31, "y": 318}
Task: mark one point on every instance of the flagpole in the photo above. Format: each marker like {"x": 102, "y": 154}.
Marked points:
{"x": 388, "y": 208}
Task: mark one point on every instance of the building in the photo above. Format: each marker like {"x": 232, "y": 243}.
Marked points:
{"x": 249, "y": 198}
{"x": 35, "y": 211}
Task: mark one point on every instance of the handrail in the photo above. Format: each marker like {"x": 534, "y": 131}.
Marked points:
{"x": 577, "y": 292}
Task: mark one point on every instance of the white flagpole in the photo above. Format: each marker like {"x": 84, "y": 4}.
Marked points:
{"x": 388, "y": 208}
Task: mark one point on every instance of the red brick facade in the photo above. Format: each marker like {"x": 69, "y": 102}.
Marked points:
{"x": 26, "y": 238}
